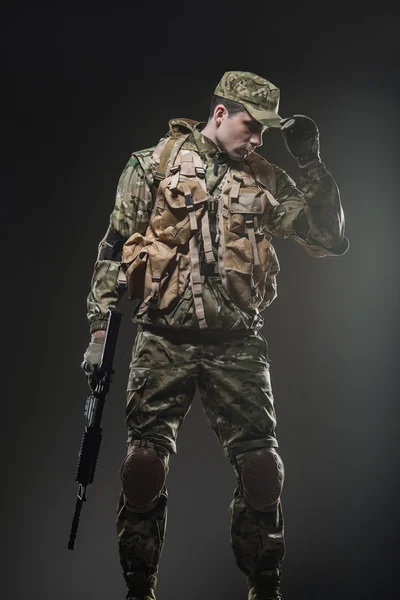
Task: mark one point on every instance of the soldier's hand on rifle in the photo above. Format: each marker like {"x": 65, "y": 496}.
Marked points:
{"x": 92, "y": 355}
{"x": 301, "y": 137}
{"x": 100, "y": 354}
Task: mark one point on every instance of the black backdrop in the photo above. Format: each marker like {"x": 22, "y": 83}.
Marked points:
{"x": 83, "y": 89}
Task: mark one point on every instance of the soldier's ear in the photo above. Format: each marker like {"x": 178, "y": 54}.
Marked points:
{"x": 219, "y": 113}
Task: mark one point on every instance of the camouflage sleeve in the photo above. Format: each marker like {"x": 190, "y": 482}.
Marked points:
{"x": 311, "y": 214}
{"x": 132, "y": 209}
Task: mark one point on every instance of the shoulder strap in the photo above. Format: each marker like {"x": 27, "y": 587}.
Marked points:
{"x": 159, "y": 175}
{"x": 179, "y": 129}
{"x": 168, "y": 156}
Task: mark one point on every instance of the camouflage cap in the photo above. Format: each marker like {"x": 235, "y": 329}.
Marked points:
{"x": 259, "y": 96}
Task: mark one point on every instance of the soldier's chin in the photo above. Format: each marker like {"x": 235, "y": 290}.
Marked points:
{"x": 238, "y": 155}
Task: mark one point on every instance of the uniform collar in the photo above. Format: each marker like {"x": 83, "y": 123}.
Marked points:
{"x": 207, "y": 149}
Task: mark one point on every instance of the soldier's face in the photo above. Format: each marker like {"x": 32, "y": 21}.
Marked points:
{"x": 239, "y": 135}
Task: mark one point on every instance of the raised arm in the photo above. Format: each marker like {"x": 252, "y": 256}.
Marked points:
{"x": 311, "y": 213}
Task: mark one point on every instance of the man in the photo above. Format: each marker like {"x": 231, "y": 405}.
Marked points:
{"x": 190, "y": 237}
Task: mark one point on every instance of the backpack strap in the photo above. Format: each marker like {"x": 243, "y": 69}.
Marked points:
{"x": 159, "y": 175}
{"x": 179, "y": 131}
{"x": 168, "y": 156}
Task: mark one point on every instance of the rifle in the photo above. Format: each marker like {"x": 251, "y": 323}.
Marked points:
{"x": 100, "y": 381}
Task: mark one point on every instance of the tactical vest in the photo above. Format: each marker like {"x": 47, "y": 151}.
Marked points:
{"x": 160, "y": 264}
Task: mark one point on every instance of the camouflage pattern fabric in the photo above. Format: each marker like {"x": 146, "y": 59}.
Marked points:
{"x": 228, "y": 363}
{"x": 310, "y": 214}
{"x": 259, "y": 96}
{"x": 233, "y": 379}
{"x": 140, "y": 541}
{"x": 234, "y": 385}
{"x": 257, "y": 538}
{"x": 133, "y": 205}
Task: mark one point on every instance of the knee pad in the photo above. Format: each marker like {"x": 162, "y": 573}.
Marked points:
{"x": 262, "y": 477}
{"x": 143, "y": 475}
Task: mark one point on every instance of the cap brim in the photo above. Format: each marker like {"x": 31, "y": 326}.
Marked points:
{"x": 268, "y": 118}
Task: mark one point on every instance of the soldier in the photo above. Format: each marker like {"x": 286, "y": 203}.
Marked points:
{"x": 190, "y": 239}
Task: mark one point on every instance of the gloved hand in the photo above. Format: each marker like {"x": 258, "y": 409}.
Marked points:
{"x": 301, "y": 137}
{"x": 93, "y": 354}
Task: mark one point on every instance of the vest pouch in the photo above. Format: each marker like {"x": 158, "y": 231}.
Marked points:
{"x": 250, "y": 285}
{"x": 178, "y": 211}
{"x": 164, "y": 277}
{"x": 265, "y": 273}
{"x": 148, "y": 264}
{"x": 159, "y": 276}
{"x": 173, "y": 286}
{"x": 250, "y": 202}
{"x": 134, "y": 264}
{"x": 248, "y": 260}
{"x": 238, "y": 266}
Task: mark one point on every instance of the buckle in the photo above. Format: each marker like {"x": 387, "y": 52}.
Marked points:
{"x": 200, "y": 172}
{"x": 158, "y": 177}
{"x": 189, "y": 201}
{"x": 213, "y": 203}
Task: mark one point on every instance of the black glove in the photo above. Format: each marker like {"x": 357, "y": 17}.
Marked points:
{"x": 301, "y": 137}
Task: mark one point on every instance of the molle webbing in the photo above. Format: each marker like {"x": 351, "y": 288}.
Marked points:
{"x": 179, "y": 243}
{"x": 190, "y": 166}
{"x": 249, "y": 218}
{"x": 155, "y": 286}
{"x": 190, "y": 207}
{"x": 168, "y": 156}
{"x": 197, "y": 282}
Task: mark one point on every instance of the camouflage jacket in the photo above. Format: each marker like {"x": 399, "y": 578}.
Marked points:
{"x": 310, "y": 214}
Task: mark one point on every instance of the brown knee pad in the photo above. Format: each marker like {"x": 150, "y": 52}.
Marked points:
{"x": 262, "y": 478}
{"x": 143, "y": 475}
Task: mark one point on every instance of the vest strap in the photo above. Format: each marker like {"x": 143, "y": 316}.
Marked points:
{"x": 155, "y": 287}
{"x": 249, "y": 219}
{"x": 178, "y": 145}
{"x": 162, "y": 167}
{"x": 175, "y": 177}
{"x": 206, "y": 235}
{"x": 168, "y": 156}
{"x": 196, "y": 282}
{"x": 190, "y": 206}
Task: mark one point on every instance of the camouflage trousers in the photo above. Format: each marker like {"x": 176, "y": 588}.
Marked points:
{"x": 233, "y": 379}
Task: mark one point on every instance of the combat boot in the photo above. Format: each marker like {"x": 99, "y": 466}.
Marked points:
{"x": 264, "y": 585}
{"x": 141, "y": 587}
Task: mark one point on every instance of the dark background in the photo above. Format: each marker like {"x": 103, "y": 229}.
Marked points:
{"x": 83, "y": 88}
